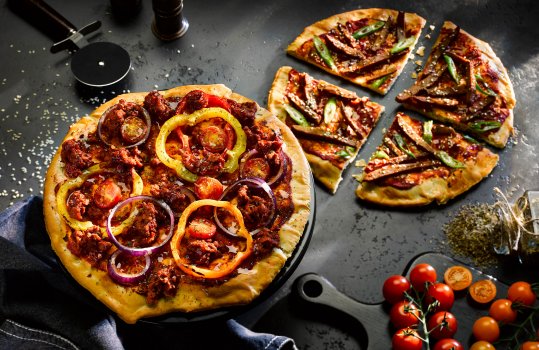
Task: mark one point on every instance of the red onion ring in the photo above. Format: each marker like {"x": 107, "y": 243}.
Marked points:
{"x": 146, "y": 250}
{"x": 280, "y": 172}
{"x": 251, "y": 182}
{"x": 126, "y": 278}
{"x": 111, "y": 108}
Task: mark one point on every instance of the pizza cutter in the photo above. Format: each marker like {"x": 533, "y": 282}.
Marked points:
{"x": 95, "y": 64}
{"x": 314, "y": 288}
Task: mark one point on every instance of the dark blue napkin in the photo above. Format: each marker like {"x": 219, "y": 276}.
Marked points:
{"x": 41, "y": 308}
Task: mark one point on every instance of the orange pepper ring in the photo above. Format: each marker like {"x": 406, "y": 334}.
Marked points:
{"x": 180, "y": 232}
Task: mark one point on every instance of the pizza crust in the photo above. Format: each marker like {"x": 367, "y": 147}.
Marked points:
{"x": 412, "y": 21}
{"x": 505, "y": 87}
{"x": 240, "y": 289}
{"x": 432, "y": 189}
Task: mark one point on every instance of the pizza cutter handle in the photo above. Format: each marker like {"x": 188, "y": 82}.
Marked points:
{"x": 47, "y": 19}
{"x": 316, "y": 289}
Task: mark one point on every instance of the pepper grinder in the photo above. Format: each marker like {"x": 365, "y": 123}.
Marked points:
{"x": 169, "y": 23}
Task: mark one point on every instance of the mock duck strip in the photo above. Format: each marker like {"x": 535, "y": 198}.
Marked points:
{"x": 399, "y": 168}
{"x": 408, "y": 130}
{"x": 371, "y": 61}
{"x": 435, "y": 101}
{"x": 423, "y": 84}
{"x": 392, "y": 146}
{"x": 323, "y": 135}
{"x": 344, "y": 48}
{"x": 348, "y": 114}
{"x": 382, "y": 35}
{"x": 401, "y": 26}
{"x": 308, "y": 112}
{"x": 322, "y": 85}
{"x": 439, "y": 50}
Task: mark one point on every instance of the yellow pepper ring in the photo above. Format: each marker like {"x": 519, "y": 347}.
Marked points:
{"x": 201, "y": 115}
{"x": 224, "y": 269}
{"x": 61, "y": 196}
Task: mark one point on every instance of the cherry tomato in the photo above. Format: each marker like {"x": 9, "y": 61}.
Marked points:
{"x": 201, "y": 228}
{"x": 216, "y": 101}
{"x": 133, "y": 129}
{"x": 482, "y": 345}
{"x": 483, "y": 291}
{"x": 458, "y": 277}
{"x": 107, "y": 194}
{"x": 486, "y": 328}
{"x": 530, "y": 345}
{"x": 522, "y": 292}
{"x": 448, "y": 344}
{"x": 442, "y": 293}
{"x": 256, "y": 167}
{"x": 212, "y": 137}
{"x": 422, "y": 274}
{"x": 394, "y": 288}
{"x": 442, "y": 324}
{"x": 406, "y": 339}
{"x": 208, "y": 188}
{"x": 501, "y": 311}
{"x": 404, "y": 314}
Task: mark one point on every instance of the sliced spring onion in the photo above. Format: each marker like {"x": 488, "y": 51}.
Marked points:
{"x": 403, "y": 45}
{"x": 369, "y": 29}
{"x": 448, "y": 160}
{"x": 452, "y": 68}
{"x": 379, "y": 82}
{"x": 296, "y": 115}
{"x": 399, "y": 140}
{"x": 427, "y": 131}
{"x": 470, "y": 139}
{"x": 380, "y": 155}
{"x": 330, "y": 110}
{"x": 485, "y": 125}
{"x": 324, "y": 52}
{"x": 486, "y": 90}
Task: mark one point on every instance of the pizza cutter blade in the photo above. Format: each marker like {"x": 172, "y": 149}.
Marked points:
{"x": 96, "y": 64}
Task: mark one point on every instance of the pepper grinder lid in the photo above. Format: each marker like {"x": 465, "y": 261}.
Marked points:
{"x": 169, "y": 23}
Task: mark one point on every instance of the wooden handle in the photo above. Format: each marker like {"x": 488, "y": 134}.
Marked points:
{"x": 44, "y": 17}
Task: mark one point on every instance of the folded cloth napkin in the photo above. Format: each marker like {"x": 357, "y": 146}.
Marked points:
{"x": 42, "y": 308}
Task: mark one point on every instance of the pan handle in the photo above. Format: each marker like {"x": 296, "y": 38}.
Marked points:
{"x": 44, "y": 17}
{"x": 316, "y": 289}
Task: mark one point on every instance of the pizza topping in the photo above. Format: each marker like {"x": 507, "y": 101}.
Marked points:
{"x": 330, "y": 110}
{"x": 200, "y": 227}
{"x": 144, "y": 227}
{"x": 485, "y": 125}
{"x": 399, "y": 168}
{"x": 124, "y": 125}
{"x": 76, "y": 205}
{"x": 321, "y": 134}
{"x": 76, "y": 157}
{"x": 107, "y": 194}
{"x": 403, "y": 146}
{"x": 177, "y": 196}
{"x": 402, "y": 45}
{"x": 158, "y": 107}
{"x": 482, "y": 86}
{"x": 208, "y": 188}
{"x": 115, "y": 271}
{"x": 223, "y": 265}
{"x": 256, "y": 202}
{"x": 452, "y": 68}
{"x": 427, "y": 131}
{"x": 296, "y": 115}
{"x": 193, "y": 101}
{"x": 89, "y": 245}
{"x": 307, "y": 111}
{"x": 179, "y": 164}
{"x": 324, "y": 52}
{"x": 369, "y": 29}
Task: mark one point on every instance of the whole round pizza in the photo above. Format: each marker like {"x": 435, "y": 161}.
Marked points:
{"x": 185, "y": 200}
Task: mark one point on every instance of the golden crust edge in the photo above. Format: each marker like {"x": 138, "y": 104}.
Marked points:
{"x": 130, "y": 306}
{"x": 433, "y": 189}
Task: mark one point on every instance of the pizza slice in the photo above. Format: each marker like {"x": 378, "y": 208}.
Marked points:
{"x": 330, "y": 122}
{"x": 421, "y": 162}
{"x": 464, "y": 84}
{"x": 368, "y": 47}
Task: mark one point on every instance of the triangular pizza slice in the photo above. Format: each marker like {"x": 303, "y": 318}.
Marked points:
{"x": 331, "y": 123}
{"x": 464, "y": 84}
{"x": 421, "y": 162}
{"x": 368, "y": 47}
